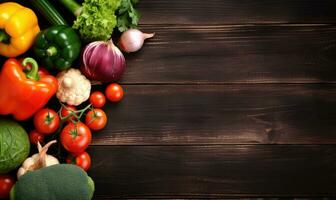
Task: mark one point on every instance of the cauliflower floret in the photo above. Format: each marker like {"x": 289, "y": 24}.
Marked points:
{"x": 73, "y": 87}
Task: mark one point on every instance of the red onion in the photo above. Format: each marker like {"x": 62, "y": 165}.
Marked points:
{"x": 133, "y": 39}
{"x": 102, "y": 62}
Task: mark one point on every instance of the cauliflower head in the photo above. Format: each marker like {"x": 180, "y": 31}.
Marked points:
{"x": 73, "y": 87}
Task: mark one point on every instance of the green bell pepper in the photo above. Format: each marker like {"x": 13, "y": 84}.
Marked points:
{"x": 58, "y": 46}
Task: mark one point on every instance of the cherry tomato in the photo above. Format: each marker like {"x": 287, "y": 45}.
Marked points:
{"x": 43, "y": 71}
{"x": 97, "y": 99}
{"x": 6, "y": 184}
{"x": 96, "y": 119}
{"x": 65, "y": 111}
{"x": 114, "y": 92}
{"x": 35, "y": 137}
{"x": 46, "y": 121}
{"x": 75, "y": 138}
{"x": 83, "y": 160}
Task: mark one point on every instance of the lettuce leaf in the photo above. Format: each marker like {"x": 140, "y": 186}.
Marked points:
{"x": 97, "y": 20}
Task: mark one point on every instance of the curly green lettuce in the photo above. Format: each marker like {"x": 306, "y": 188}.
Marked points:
{"x": 97, "y": 19}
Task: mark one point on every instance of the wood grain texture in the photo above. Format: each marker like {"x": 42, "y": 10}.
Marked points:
{"x": 227, "y": 12}
{"x": 214, "y": 171}
{"x": 206, "y": 53}
{"x": 235, "y": 54}
{"x": 229, "y": 100}
{"x": 237, "y": 11}
{"x": 222, "y": 114}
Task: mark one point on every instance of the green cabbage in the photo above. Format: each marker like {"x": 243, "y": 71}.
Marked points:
{"x": 14, "y": 145}
{"x": 97, "y": 19}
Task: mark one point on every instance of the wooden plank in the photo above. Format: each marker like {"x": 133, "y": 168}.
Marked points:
{"x": 229, "y": 11}
{"x": 237, "y": 11}
{"x": 235, "y": 54}
{"x": 222, "y": 114}
{"x": 213, "y": 171}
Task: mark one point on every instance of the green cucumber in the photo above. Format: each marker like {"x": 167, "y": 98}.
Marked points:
{"x": 49, "y": 12}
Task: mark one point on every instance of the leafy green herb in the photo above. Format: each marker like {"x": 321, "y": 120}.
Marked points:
{"x": 127, "y": 15}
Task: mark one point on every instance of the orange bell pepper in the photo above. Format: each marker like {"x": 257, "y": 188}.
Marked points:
{"x": 18, "y": 29}
{"x": 22, "y": 94}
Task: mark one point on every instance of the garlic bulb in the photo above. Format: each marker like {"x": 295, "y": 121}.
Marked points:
{"x": 38, "y": 160}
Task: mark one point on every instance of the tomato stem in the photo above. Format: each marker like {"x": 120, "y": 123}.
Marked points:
{"x": 49, "y": 119}
{"x": 94, "y": 116}
{"x": 71, "y": 114}
{"x": 74, "y": 132}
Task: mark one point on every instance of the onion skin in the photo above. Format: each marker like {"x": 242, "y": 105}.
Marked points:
{"x": 102, "y": 61}
{"x": 133, "y": 39}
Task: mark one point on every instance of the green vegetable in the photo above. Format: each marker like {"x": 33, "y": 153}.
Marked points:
{"x": 14, "y": 145}
{"x": 58, "y": 46}
{"x": 61, "y": 182}
{"x": 127, "y": 15}
{"x": 96, "y": 19}
{"x": 49, "y": 12}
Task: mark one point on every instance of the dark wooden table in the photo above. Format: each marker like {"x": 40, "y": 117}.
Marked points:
{"x": 232, "y": 98}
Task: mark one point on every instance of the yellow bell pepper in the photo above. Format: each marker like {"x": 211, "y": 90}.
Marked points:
{"x": 18, "y": 29}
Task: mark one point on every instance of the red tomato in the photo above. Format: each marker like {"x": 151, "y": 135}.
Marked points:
{"x": 43, "y": 72}
{"x": 83, "y": 160}
{"x": 97, "y": 99}
{"x": 6, "y": 184}
{"x": 35, "y": 137}
{"x": 75, "y": 138}
{"x": 65, "y": 111}
{"x": 114, "y": 92}
{"x": 96, "y": 119}
{"x": 46, "y": 121}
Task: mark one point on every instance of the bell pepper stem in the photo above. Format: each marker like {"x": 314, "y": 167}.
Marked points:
{"x": 33, "y": 73}
{"x": 4, "y": 37}
{"x": 72, "y": 6}
{"x": 51, "y": 51}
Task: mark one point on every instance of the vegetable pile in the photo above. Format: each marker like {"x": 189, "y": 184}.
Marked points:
{"x": 65, "y": 62}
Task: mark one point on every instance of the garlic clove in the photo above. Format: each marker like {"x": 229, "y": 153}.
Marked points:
{"x": 30, "y": 161}
{"x": 51, "y": 160}
{"x": 21, "y": 172}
